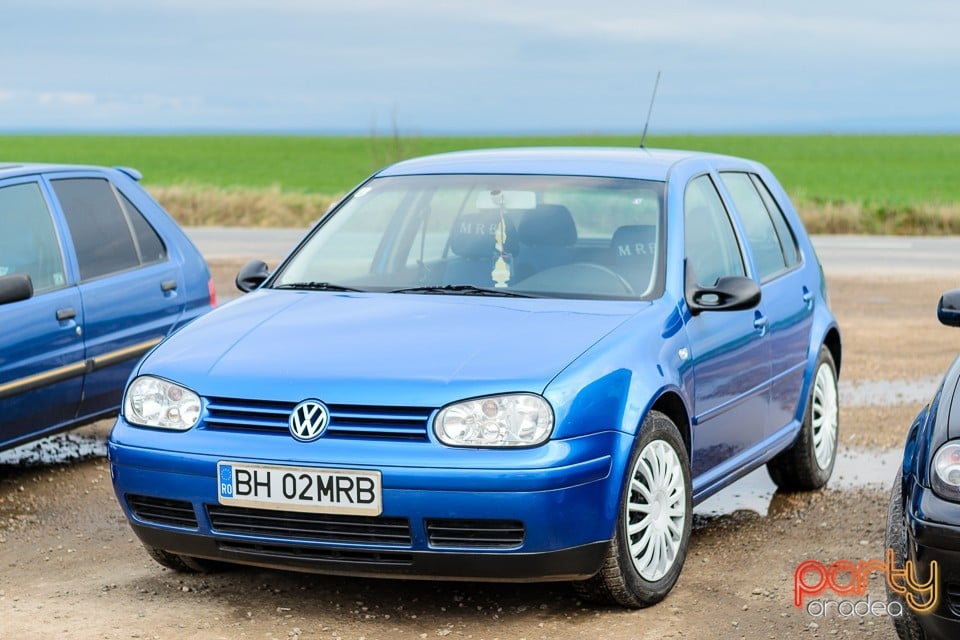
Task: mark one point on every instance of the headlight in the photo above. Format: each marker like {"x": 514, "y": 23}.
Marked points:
{"x": 946, "y": 471}
{"x": 153, "y": 402}
{"x": 516, "y": 420}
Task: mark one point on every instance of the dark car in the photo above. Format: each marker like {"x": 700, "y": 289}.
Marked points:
{"x": 923, "y": 521}
{"x": 521, "y": 364}
{"x": 93, "y": 274}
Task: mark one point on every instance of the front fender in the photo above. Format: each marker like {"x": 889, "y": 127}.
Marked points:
{"x": 614, "y": 384}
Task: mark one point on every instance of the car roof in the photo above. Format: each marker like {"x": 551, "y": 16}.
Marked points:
{"x": 612, "y": 162}
{"x": 15, "y": 169}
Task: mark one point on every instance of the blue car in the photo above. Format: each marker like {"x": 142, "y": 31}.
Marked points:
{"x": 93, "y": 274}
{"x": 923, "y": 520}
{"x": 507, "y": 365}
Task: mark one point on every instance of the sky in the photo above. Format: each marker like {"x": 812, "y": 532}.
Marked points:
{"x": 433, "y": 67}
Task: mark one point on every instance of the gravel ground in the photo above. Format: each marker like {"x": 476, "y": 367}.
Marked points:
{"x": 71, "y": 568}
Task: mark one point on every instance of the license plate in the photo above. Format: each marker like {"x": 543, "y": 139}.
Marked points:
{"x": 343, "y": 491}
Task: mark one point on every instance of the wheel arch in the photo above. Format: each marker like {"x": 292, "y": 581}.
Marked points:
{"x": 832, "y": 342}
{"x": 671, "y": 405}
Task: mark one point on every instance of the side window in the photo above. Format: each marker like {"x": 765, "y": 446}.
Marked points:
{"x": 150, "y": 245}
{"x": 101, "y": 233}
{"x": 788, "y": 242}
{"x": 710, "y": 244}
{"x": 763, "y": 239}
{"x": 28, "y": 242}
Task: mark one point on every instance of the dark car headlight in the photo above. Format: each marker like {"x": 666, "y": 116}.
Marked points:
{"x": 155, "y": 402}
{"x": 512, "y": 420}
{"x": 945, "y": 478}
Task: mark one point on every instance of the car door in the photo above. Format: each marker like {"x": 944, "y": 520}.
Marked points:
{"x": 787, "y": 298}
{"x": 728, "y": 349}
{"x": 41, "y": 342}
{"x": 128, "y": 283}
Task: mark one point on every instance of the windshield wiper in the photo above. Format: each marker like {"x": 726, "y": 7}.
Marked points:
{"x": 464, "y": 289}
{"x": 315, "y": 286}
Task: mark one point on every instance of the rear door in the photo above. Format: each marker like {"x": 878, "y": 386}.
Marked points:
{"x": 41, "y": 343}
{"x": 128, "y": 283}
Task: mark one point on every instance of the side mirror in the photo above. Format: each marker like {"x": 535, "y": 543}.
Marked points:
{"x": 730, "y": 293}
{"x": 15, "y": 287}
{"x": 948, "y": 311}
{"x": 252, "y": 275}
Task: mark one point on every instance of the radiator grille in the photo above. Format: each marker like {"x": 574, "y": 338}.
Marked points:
{"x": 346, "y": 421}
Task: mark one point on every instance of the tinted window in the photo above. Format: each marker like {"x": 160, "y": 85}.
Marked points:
{"x": 761, "y": 236}
{"x": 710, "y": 243}
{"x": 101, "y": 233}
{"x": 150, "y": 245}
{"x": 788, "y": 242}
{"x": 28, "y": 242}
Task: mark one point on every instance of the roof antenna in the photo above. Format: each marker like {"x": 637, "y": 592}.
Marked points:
{"x": 653, "y": 97}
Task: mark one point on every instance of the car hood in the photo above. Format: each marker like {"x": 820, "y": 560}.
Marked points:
{"x": 389, "y": 349}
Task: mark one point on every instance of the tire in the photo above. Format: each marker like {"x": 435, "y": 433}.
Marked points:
{"x": 895, "y": 538}
{"x": 657, "y": 488}
{"x": 184, "y": 564}
{"x": 809, "y": 461}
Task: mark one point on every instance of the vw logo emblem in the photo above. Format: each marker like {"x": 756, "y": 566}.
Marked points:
{"x": 308, "y": 420}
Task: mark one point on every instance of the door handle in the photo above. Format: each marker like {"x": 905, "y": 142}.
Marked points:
{"x": 168, "y": 285}
{"x": 807, "y": 297}
{"x": 760, "y": 323}
{"x": 67, "y": 313}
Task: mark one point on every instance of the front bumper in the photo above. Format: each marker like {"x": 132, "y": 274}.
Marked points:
{"x": 563, "y": 497}
{"x": 933, "y": 526}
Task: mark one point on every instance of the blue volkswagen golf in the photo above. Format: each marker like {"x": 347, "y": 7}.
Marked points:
{"x": 93, "y": 274}
{"x": 508, "y": 365}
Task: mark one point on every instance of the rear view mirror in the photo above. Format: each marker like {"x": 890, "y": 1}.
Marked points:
{"x": 948, "y": 311}
{"x": 502, "y": 199}
{"x": 15, "y": 287}
{"x": 252, "y": 275}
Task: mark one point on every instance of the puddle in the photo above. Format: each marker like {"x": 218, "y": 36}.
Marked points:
{"x": 755, "y": 492}
{"x": 57, "y": 449}
{"x": 887, "y": 393}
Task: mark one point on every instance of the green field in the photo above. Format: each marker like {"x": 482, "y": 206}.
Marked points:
{"x": 883, "y": 178}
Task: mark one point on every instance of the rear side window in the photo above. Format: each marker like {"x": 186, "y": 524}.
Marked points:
{"x": 788, "y": 241}
{"x": 105, "y": 234}
{"x": 148, "y": 242}
{"x": 28, "y": 240}
{"x": 771, "y": 242}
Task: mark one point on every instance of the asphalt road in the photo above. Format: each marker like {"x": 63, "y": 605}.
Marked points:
{"x": 840, "y": 255}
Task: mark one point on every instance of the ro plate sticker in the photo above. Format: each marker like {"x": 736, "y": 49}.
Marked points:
{"x": 226, "y": 481}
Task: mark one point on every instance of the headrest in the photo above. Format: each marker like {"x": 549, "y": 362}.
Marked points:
{"x": 549, "y": 225}
{"x": 634, "y": 241}
{"x": 474, "y": 235}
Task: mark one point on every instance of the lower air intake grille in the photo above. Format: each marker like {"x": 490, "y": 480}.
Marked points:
{"x": 285, "y": 553}
{"x": 175, "y": 513}
{"x": 295, "y": 525}
{"x": 475, "y": 533}
{"x": 953, "y": 598}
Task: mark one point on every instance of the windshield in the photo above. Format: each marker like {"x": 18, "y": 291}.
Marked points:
{"x": 554, "y": 236}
